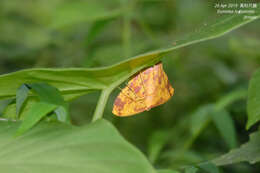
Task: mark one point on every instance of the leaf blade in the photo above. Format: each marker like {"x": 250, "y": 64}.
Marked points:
{"x": 253, "y": 105}
{"x": 4, "y": 104}
{"x": 21, "y": 97}
{"x": 63, "y": 148}
{"x": 248, "y": 152}
{"x": 225, "y": 126}
{"x": 52, "y": 95}
{"x": 36, "y": 113}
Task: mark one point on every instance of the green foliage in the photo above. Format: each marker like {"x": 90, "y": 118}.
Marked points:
{"x": 36, "y": 113}
{"x": 70, "y": 13}
{"x": 75, "y": 82}
{"x": 248, "y": 152}
{"x": 226, "y": 127}
{"x": 21, "y": 97}
{"x": 253, "y": 107}
{"x": 50, "y": 100}
{"x": 209, "y": 167}
{"x": 4, "y": 104}
{"x": 63, "y": 148}
{"x": 157, "y": 141}
{"x": 52, "y": 95}
{"x": 222, "y": 120}
{"x": 166, "y": 171}
{"x": 191, "y": 169}
{"x": 203, "y": 167}
{"x": 230, "y": 98}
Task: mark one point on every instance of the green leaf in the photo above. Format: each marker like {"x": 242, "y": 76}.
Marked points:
{"x": 200, "y": 119}
{"x": 62, "y": 148}
{"x": 95, "y": 29}
{"x": 248, "y": 152}
{"x": 230, "y": 98}
{"x": 21, "y": 96}
{"x": 191, "y": 169}
{"x": 47, "y": 93}
{"x": 221, "y": 118}
{"x": 156, "y": 142}
{"x": 208, "y": 167}
{"x": 75, "y": 82}
{"x": 52, "y": 95}
{"x": 36, "y": 113}
{"x": 181, "y": 157}
{"x": 166, "y": 171}
{"x": 225, "y": 126}
{"x": 253, "y": 105}
{"x": 73, "y": 12}
{"x": 4, "y": 104}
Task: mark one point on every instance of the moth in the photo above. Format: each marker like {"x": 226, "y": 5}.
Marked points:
{"x": 147, "y": 89}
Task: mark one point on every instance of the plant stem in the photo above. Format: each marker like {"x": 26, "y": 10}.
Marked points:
{"x": 101, "y": 104}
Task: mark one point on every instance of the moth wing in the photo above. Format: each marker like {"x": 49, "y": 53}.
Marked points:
{"x": 145, "y": 90}
{"x": 159, "y": 89}
{"x": 130, "y": 100}
{"x": 125, "y": 106}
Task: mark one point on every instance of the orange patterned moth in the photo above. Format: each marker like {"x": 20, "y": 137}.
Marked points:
{"x": 147, "y": 89}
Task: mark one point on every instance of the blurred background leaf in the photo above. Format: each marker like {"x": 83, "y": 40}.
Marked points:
{"x": 248, "y": 152}
{"x": 71, "y": 12}
{"x": 254, "y": 100}
{"x": 166, "y": 171}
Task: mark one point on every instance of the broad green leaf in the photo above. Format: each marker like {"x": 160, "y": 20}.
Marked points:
{"x": 36, "y": 113}
{"x": 253, "y": 104}
{"x": 62, "y": 148}
{"x": 248, "y": 152}
{"x": 21, "y": 97}
{"x": 166, "y": 171}
{"x": 73, "y": 12}
{"x": 75, "y": 82}
{"x": 225, "y": 126}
